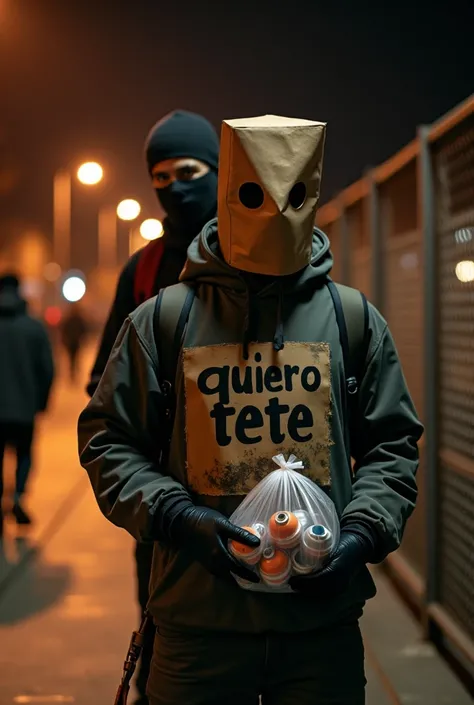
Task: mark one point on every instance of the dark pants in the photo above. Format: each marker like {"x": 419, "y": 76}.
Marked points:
{"x": 20, "y": 437}
{"x": 143, "y": 559}
{"x": 312, "y": 668}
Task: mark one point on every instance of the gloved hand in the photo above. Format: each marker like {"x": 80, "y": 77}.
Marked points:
{"x": 353, "y": 552}
{"x": 204, "y": 534}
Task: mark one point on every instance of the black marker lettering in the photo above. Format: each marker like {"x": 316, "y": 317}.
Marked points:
{"x": 290, "y": 370}
{"x": 249, "y": 417}
{"x": 315, "y": 374}
{"x": 300, "y": 417}
{"x": 220, "y": 414}
{"x": 274, "y": 410}
{"x": 238, "y": 386}
{"x": 222, "y": 385}
{"x": 273, "y": 379}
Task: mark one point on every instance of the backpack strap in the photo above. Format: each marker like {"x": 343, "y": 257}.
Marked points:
{"x": 172, "y": 308}
{"x": 171, "y": 313}
{"x": 352, "y": 316}
{"x": 149, "y": 260}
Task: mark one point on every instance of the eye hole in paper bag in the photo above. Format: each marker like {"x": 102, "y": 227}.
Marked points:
{"x": 251, "y": 195}
{"x": 297, "y": 196}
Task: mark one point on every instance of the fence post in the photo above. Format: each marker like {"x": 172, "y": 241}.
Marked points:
{"x": 376, "y": 244}
{"x": 345, "y": 245}
{"x": 427, "y": 213}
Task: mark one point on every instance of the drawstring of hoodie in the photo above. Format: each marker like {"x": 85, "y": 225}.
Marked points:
{"x": 250, "y": 320}
{"x": 249, "y": 323}
{"x": 279, "y": 337}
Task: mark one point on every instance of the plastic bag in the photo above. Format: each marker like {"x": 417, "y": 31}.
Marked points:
{"x": 297, "y": 524}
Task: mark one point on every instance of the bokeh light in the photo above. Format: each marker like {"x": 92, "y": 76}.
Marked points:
{"x": 129, "y": 209}
{"x": 465, "y": 271}
{"x": 90, "y": 173}
{"x": 74, "y": 289}
{"x": 151, "y": 229}
{"x": 53, "y": 315}
{"x": 52, "y": 271}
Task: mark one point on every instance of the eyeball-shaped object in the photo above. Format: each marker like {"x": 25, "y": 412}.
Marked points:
{"x": 284, "y": 529}
{"x": 317, "y": 543}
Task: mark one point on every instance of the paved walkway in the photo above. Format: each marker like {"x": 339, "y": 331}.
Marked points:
{"x": 67, "y": 604}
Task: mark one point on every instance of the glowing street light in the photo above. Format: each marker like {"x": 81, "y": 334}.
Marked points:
{"x": 74, "y": 289}
{"x": 151, "y": 229}
{"x": 129, "y": 209}
{"x": 90, "y": 173}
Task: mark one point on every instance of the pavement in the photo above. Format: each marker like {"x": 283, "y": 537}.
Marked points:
{"x": 67, "y": 595}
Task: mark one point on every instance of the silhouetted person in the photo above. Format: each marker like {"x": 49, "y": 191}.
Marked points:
{"x": 26, "y": 375}
{"x": 74, "y": 330}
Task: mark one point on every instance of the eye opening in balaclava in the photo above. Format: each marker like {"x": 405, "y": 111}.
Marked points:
{"x": 251, "y": 195}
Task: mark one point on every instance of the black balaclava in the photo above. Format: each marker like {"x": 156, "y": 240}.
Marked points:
{"x": 188, "y": 204}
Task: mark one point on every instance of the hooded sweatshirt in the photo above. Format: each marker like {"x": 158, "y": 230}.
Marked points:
{"x": 26, "y": 361}
{"x": 119, "y": 428}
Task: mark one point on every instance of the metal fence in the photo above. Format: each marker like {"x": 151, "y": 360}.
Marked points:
{"x": 404, "y": 235}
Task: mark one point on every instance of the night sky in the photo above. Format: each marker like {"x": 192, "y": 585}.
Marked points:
{"x": 87, "y": 79}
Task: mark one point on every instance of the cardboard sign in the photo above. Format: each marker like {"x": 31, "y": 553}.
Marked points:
{"x": 240, "y": 413}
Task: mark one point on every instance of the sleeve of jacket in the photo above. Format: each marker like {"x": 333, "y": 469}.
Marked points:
{"x": 45, "y": 367}
{"x": 123, "y": 305}
{"x": 119, "y": 438}
{"x": 387, "y": 431}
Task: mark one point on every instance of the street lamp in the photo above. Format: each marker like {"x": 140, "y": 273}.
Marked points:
{"x": 88, "y": 174}
{"x": 151, "y": 229}
{"x": 129, "y": 210}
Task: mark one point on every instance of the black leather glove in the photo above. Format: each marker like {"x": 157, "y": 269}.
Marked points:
{"x": 204, "y": 534}
{"x": 353, "y": 552}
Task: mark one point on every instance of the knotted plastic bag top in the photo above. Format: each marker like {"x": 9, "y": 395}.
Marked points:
{"x": 291, "y": 464}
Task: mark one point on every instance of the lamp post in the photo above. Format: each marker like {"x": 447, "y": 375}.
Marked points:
{"x": 129, "y": 210}
{"x": 107, "y": 237}
{"x": 89, "y": 174}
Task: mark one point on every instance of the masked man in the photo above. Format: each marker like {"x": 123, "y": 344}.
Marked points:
{"x": 261, "y": 372}
{"x": 182, "y": 152}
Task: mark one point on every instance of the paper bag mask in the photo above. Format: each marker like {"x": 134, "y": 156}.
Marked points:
{"x": 269, "y": 183}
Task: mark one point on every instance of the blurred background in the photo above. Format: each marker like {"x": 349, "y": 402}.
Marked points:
{"x": 80, "y": 86}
